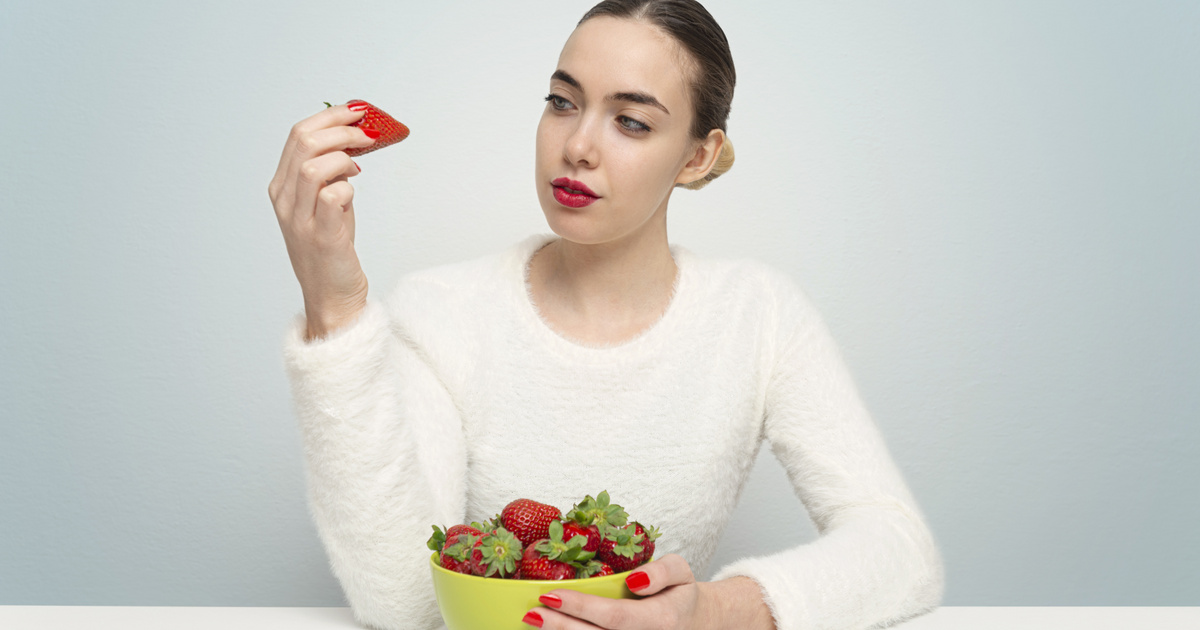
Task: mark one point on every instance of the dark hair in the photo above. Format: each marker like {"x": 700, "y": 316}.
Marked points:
{"x": 694, "y": 28}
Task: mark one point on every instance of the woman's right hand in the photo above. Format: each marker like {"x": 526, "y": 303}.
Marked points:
{"x": 313, "y": 201}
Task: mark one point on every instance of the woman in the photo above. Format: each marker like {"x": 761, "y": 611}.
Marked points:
{"x": 597, "y": 358}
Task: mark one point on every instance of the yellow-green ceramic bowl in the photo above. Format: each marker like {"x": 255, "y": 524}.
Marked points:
{"x": 470, "y": 602}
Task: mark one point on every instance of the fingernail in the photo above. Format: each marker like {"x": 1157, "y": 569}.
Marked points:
{"x": 637, "y": 580}
{"x": 533, "y": 619}
{"x": 371, "y": 133}
{"x": 357, "y": 166}
{"x": 551, "y": 600}
{"x": 358, "y": 107}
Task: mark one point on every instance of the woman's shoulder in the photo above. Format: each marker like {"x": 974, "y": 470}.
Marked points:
{"x": 745, "y": 277}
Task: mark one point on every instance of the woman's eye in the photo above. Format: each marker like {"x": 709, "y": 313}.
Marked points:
{"x": 631, "y": 124}
{"x": 558, "y": 102}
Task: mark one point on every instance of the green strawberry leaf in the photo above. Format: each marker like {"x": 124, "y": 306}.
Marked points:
{"x": 437, "y": 540}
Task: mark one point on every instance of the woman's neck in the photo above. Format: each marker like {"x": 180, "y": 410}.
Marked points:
{"x": 604, "y": 293}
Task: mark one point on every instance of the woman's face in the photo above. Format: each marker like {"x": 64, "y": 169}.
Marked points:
{"x": 616, "y": 125}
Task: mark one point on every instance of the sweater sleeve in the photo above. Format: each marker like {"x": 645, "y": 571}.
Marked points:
{"x": 875, "y": 563}
{"x": 384, "y": 460}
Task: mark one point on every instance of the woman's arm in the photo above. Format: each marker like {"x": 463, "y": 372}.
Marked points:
{"x": 384, "y": 459}
{"x": 875, "y": 562}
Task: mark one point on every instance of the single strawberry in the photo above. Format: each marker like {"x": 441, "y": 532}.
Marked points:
{"x": 456, "y": 556}
{"x": 557, "y": 546}
{"x": 650, "y": 534}
{"x": 536, "y": 566}
{"x": 442, "y": 539}
{"x": 390, "y": 130}
{"x": 496, "y": 554}
{"x": 598, "y": 511}
{"x": 591, "y": 532}
{"x": 620, "y": 548}
{"x": 529, "y": 520}
{"x": 594, "y": 568}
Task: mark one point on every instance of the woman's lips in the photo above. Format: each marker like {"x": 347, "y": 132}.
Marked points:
{"x": 571, "y": 193}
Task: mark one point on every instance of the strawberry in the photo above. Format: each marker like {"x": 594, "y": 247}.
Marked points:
{"x": 529, "y": 520}
{"x": 440, "y": 540}
{"x": 572, "y": 529}
{"x": 594, "y": 568}
{"x": 390, "y": 130}
{"x": 457, "y": 555}
{"x": 650, "y": 534}
{"x": 496, "y": 554}
{"x": 552, "y": 558}
{"x": 620, "y": 548}
{"x": 598, "y": 512}
{"x": 536, "y": 566}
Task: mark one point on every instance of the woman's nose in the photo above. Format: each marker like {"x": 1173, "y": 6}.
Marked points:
{"x": 581, "y": 146}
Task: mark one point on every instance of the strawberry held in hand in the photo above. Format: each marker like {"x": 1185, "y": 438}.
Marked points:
{"x": 377, "y": 124}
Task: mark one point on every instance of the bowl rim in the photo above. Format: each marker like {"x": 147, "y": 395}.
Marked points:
{"x": 433, "y": 562}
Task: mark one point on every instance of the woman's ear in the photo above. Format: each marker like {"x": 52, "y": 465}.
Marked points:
{"x": 703, "y": 159}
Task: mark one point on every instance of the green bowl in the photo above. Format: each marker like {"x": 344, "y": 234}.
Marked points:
{"x": 470, "y": 602}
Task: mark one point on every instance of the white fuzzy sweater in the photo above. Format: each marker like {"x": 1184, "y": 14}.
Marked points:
{"x": 454, "y": 397}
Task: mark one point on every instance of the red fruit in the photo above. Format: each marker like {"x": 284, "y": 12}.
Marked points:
{"x": 649, "y": 534}
{"x": 536, "y": 566}
{"x": 442, "y": 539}
{"x": 572, "y": 529}
{"x": 496, "y": 555}
{"x": 529, "y": 520}
{"x": 461, "y": 529}
{"x": 594, "y": 568}
{"x": 456, "y": 556}
{"x": 620, "y": 548}
{"x": 390, "y": 130}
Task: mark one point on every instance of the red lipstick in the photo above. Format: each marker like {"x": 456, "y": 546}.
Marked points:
{"x": 572, "y": 194}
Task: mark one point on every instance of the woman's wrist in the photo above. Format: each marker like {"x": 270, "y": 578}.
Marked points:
{"x": 736, "y": 603}
{"x": 321, "y": 322}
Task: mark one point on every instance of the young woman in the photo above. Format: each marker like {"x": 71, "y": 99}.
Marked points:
{"x": 468, "y": 387}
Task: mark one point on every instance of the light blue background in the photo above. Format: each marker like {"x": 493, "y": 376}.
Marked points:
{"x": 993, "y": 203}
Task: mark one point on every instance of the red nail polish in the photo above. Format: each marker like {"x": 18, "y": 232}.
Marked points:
{"x": 357, "y": 166}
{"x": 637, "y": 580}
{"x": 358, "y": 107}
{"x": 533, "y": 619}
{"x": 551, "y": 600}
{"x": 371, "y": 133}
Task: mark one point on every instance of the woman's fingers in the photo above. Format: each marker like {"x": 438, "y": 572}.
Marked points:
{"x": 581, "y": 611}
{"x": 656, "y": 575}
{"x": 572, "y": 609}
{"x": 332, "y": 217}
{"x": 314, "y": 177}
{"x": 312, "y": 174}
{"x": 300, "y": 143}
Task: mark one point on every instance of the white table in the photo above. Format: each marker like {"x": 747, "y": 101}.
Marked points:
{"x": 206, "y": 618}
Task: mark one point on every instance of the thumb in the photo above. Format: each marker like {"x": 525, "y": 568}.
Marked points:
{"x": 656, "y": 575}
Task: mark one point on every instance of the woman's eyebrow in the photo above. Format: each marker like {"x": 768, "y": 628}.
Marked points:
{"x": 562, "y": 75}
{"x": 637, "y": 97}
{"x": 633, "y": 97}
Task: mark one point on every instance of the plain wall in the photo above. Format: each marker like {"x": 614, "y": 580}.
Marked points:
{"x": 994, "y": 204}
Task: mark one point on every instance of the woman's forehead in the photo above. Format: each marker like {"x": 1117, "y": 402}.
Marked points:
{"x": 608, "y": 55}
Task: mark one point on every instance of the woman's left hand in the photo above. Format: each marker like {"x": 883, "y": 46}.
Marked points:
{"x": 671, "y": 598}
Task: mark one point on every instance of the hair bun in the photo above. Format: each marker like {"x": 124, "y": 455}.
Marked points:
{"x": 724, "y": 163}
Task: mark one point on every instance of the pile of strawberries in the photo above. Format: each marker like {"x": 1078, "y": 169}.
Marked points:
{"x": 534, "y": 541}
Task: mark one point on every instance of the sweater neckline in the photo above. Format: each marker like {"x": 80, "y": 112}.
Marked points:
{"x": 648, "y": 337}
